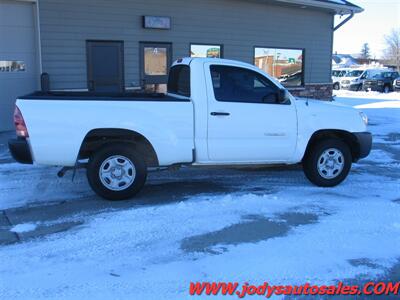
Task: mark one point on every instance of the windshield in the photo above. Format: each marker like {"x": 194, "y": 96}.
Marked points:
{"x": 373, "y": 74}
{"x": 376, "y": 76}
{"x": 354, "y": 73}
{"x": 338, "y": 73}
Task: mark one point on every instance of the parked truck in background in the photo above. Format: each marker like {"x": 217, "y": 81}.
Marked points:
{"x": 353, "y": 80}
{"x": 381, "y": 82}
{"x": 217, "y": 112}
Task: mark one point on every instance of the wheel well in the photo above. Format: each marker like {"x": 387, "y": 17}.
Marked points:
{"x": 342, "y": 135}
{"x": 97, "y": 138}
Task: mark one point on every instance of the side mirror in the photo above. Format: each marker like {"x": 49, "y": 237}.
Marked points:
{"x": 283, "y": 96}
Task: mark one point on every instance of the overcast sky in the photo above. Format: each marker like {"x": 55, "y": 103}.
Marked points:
{"x": 377, "y": 19}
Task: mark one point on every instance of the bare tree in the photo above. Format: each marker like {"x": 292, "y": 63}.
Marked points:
{"x": 365, "y": 51}
{"x": 392, "y": 51}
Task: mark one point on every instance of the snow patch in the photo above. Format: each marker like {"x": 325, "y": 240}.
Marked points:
{"x": 380, "y": 157}
{"x": 381, "y": 104}
{"x": 21, "y": 228}
{"x": 373, "y": 96}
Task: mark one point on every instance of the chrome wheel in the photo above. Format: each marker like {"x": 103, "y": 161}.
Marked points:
{"x": 117, "y": 173}
{"x": 330, "y": 163}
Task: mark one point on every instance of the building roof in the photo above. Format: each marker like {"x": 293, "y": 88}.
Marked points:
{"x": 340, "y": 7}
{"x": 344, "y": 61}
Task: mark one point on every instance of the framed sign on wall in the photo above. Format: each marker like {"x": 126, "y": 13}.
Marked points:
{"x": 155, "y": 22}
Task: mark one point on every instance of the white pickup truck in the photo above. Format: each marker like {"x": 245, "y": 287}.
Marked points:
{"x": 216, "y": 112}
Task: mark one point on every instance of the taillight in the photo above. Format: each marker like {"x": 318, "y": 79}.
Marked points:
{"x": 19, "y": 123}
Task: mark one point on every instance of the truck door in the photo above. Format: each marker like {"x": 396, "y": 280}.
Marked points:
{"x": 245, "y": 121}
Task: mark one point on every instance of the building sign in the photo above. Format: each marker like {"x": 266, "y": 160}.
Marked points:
{"x": 156, "y": 22}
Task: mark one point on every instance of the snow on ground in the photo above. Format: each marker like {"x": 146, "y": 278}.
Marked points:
{"x": 282, "y": 230}
{"x": 383, "y": 111}
{"x": 367, "y": 97}
{"x": 21, "y": 228}
{"x": 23, "y": 184}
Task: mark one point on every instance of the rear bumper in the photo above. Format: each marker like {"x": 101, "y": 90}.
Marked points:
{"x": 364, "y": 140}
{"x": 20, "y": 151}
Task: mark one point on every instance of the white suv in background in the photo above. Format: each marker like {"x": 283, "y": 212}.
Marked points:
{"x": 352, "y": 80}
{"x": 338, "y": 74}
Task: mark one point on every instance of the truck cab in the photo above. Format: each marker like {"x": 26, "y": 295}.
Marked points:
{"x": 238, "y": 112}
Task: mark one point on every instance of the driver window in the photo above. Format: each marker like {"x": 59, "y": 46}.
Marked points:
{"x": 234, "y": 84}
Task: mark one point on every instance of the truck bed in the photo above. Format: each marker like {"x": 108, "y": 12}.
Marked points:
{"x": 58, "y": 123}
{"x": 91, "y": 96}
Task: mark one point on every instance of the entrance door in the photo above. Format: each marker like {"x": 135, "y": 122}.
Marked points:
{"x": 155, "y": 60}
{"x": 105, "y": 66}
{"x": 19, "y": 71}
{"x": 245, "y": 121}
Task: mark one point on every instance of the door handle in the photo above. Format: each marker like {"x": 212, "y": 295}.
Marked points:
{"x": 214, "y": 113}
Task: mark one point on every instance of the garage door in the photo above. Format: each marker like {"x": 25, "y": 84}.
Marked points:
{"x": 18, "y": 56}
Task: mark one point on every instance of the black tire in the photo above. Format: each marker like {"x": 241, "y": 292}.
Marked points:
{"x": 386, "y": 89}
{"x": 336, "y": 86}
{"x": 115, "y": 152}
{"x": 313, "y": 157}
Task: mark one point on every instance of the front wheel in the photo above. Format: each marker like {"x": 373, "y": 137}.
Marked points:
{"x": 116, "y": 172}
{"x": 328, "y": 162}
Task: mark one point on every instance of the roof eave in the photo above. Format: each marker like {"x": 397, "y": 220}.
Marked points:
{"x": 337, "y": 8}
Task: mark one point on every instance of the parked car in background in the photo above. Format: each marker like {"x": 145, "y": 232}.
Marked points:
{"x": 381, "y": 82}
{"x": 217, "y": 112}
{"x": 338, "y": 74}
{"x": 352, "y": 80}
{"x": 396, "y": 84}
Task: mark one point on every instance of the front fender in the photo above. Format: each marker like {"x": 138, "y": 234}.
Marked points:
{"x": 324, "y": 116}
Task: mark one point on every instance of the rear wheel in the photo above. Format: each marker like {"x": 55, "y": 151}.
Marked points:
{"x": 336, "y": 86}
{"x": 116, "y": 172}
{"x": 328, "y": 162}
